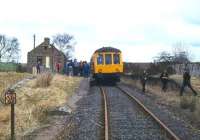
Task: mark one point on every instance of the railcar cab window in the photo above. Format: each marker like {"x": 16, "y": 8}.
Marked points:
{"x": 100, "y": 59}
{"x": 116, "y": 58}
{"x": 108, "y": 58}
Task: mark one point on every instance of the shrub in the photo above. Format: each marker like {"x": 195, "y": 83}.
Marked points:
{"x": 188, "y": 102}
{"x": 21, "y": 68}
{"x": 44, "y": 79}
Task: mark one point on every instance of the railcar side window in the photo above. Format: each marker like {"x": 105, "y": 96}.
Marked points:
{"x": 116, "y": 58}
{"x": 108, "y": 58}
{"x": 100, "y": 59}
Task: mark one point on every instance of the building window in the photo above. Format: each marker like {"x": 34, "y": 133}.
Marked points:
{"x": 108, "y": 58}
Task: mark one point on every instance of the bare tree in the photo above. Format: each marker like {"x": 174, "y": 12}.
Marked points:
{"x": 181, "y": 53}
{"x": 162, "y": 62}
{"x": 65, "y": 42}
{"x": 164, "y": 57}
{"x": 9, "y": 49}
{"x": 165, "y": 60}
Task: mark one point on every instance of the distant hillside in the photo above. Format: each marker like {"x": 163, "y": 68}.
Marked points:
{"x": 8, "y": 67}
{"x": 5, "y": 67}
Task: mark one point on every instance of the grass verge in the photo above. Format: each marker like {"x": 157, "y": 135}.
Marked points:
{"x": 34, "y": 102}
{"x": 7, "y": 79}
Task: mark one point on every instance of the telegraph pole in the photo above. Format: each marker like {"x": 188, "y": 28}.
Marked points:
{"x": 34, "y": 41}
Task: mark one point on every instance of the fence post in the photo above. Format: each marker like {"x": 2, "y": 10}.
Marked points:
{"x": 12, "y": 121}
{"x": 10, "y": 98}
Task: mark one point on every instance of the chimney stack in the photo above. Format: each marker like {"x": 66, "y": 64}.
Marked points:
{"x": 34, "y": 41}
{"x": 47, "y": 40}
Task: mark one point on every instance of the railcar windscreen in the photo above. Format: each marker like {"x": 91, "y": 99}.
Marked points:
{"x": 100, "y": 59}
{"x": 116, "y": 58}
{"x": 108, "y": 58}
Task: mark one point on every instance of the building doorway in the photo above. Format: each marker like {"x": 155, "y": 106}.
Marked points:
{"x": 47, "y": 62}
{"x": 39, "y": 59}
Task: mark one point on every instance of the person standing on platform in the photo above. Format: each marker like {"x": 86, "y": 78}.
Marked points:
{"x": 86, "y": 69}
{"x": 81, "y": 68}
{"x": 57, "y": 67}
{"x": 75, "y": 69}
{"x": 70, "y": 68}
{"x": 38, "y": 67}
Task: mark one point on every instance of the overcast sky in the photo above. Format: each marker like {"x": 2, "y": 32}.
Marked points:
{"x": 140, "y": 28}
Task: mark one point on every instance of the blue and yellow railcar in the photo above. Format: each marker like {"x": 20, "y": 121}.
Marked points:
{"x": 106, "y": 64}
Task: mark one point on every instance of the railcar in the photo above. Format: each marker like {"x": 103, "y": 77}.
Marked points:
{"x": 106, "y": 64}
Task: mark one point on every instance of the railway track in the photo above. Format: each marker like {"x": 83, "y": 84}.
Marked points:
{"x": 106, "y": 133}
{"x": 108, "y": 129}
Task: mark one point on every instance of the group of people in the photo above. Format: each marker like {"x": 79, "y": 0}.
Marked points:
{"x": 71, "y": 68}
{"x": 164, "y": 77}
{"x": 75, "y": 68}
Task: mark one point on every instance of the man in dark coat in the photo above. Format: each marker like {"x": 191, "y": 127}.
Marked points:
{"x": 164, "y": 79}
{"x": 76, "y": 66}
{"x": 86, "y": 69}
{"x": 38, "y": 67}
{"x": 144, "y": 78}
{"x": 81, "y": 68}
{"x": 186, "y": 82}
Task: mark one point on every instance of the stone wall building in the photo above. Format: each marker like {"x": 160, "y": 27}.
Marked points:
{"x": 48, "y": 56}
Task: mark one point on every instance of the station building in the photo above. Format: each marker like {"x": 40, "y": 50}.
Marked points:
{"x": 48, "y": 56}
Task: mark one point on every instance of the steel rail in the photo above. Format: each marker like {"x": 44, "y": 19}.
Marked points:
{"x": 105, "y": 114}
{"x": 170, "y": 133}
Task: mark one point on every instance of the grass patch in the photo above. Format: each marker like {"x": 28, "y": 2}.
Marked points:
{"x": 34, "y": 103}
{"x": 7, "y": 79}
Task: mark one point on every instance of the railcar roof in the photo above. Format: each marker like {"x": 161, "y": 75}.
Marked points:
{"x": 107, "y": 49}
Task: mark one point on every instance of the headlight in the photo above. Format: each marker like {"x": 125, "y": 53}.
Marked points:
{"x": 99, "y": 70}
{"x": 117, "y": 70}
